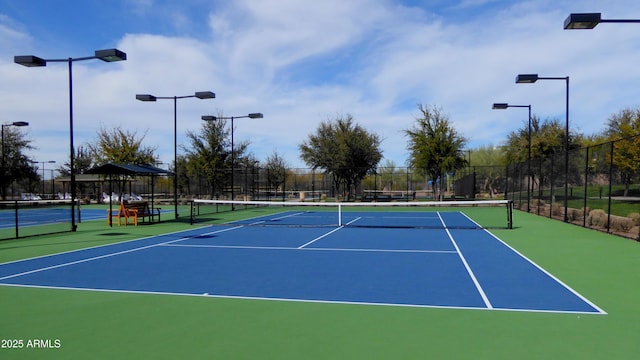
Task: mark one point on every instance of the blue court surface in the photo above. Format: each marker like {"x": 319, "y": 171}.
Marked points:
{"x": 449, "y": 268}
{"x": 45, "y": 215}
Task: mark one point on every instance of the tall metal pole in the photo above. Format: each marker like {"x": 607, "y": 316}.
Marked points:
{"x": 175, "y": 155}
{"x": 214, "y": 118}
{"x": 233, "y": 160}
{"x": 199, "y": 95}
{"x": 532, "y": 78}
{"x": 42, "y": 193}
{"x": 529, "y": 182}
{"x": 107, "y": 55}
{"x": 566, "y": 159}
{"x": 71, "y": 149}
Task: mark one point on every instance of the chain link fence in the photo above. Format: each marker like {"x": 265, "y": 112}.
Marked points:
{"x": 595, "y": 186}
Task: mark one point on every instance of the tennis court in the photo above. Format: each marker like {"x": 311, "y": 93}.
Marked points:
{"x": 167, "y": 315}
{"x": 447, "y": 261}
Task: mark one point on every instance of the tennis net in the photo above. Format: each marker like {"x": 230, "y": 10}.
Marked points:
{"x": 21, "y": 218}
{"x": 482, "y": 214}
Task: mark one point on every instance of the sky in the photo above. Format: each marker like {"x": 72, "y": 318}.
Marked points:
{"x": 301, "y": 62}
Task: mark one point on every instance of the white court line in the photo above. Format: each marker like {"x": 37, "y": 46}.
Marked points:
{"x": 466, "y": 265}
{"x": 313, "y": 301}
{"x": 97, "y": 246}
{"x": 540, "y": 268}
{"x": 309, "y": 249}
{"x": 319, "y": 237}
{"x": 175, "y": 243}
{"x": 109, "y": 255}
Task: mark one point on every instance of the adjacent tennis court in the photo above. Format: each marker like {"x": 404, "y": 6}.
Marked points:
{"x": 34, "y": 214}
{"x": 429, "y": 259}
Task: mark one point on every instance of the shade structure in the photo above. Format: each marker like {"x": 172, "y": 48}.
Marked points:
{"x": 127, "y": 169}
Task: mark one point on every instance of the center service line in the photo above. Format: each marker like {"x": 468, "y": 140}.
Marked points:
{"x": 466, "y": 265}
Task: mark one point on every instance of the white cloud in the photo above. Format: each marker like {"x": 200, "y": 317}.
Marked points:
{"x": 303, "y": 62}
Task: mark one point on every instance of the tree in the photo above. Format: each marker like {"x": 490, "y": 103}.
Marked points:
{"x": 343, "y": 149}
{"x": 16, "y": 165}
{"x": 113, "y": 145}
{"x": 547, "y": 143}
{"x": 624, "y": 129}
{"x": 83, "y": 161}
{"x": 121, "y": 146}
{"x": 488, "y": 164}
{"x": 435, "y": 147}
{"x": 276, "y": 168}
{"x": 209, "y": 154}
{"x": 547, "y": 138}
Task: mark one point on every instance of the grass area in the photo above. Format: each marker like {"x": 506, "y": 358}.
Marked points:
{"x": 597, "y": 198}
{"x": 109, "y": 325}
{"x": 618, "y": 207}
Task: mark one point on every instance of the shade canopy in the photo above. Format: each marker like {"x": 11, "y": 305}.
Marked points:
{"x": 127, "y": 169}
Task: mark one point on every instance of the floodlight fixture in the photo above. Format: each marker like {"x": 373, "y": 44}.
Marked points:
{"x": 145, "y": 97}
{"x": 205, "y": 95}
{"x": 588, "y": 21}
{"x": 526, "y": 78}
{"x": 582, "y": 21}
{"x": 29, "y": 61}
{"x": 110, "y": 55}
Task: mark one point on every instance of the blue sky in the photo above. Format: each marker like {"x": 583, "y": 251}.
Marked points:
{"x": 301, "y": 62}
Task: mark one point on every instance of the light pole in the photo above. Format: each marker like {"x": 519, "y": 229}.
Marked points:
{"x": 45, "y": 162}
{"x": 214, "y": 118}
{"x": 502, "y": 106}
{"x": 590, "y": 20}
{"x": 107, "y": 55}
{"x": 52, "y": 184}
{"x": 199, "y": 95}
{"x": 15, "y": 123}
{"x": 530, "y": 79}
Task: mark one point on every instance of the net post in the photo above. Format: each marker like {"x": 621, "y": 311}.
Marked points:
{"x": 15, "y": 207}
{"x": 193, "y": 204}
{"x": 510, "y": 214}
{"x": 339, "y": 214}
{"x": 78, "y": 210}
